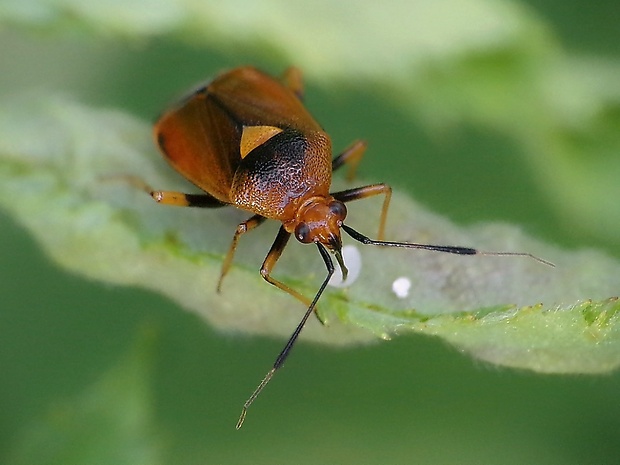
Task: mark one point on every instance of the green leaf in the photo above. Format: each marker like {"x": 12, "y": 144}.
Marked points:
{"x": 490, "y": 63}
{"x": 61, "y": 168}
{"x": 107, "y": 424}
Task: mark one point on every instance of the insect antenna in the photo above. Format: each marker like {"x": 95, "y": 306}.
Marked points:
{"x": 438, "y": 248}
{"x": 289, "y": 345}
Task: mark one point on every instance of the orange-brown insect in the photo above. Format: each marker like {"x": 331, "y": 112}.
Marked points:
{"x": 246, "y": 140}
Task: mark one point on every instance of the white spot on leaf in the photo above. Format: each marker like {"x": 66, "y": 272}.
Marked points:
{"x": 401, "y": 287}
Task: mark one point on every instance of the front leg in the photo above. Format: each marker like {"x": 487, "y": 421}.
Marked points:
{"x": 270, "y": 262}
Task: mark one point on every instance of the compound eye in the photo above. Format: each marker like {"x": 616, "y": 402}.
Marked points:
{"x": 338, "y": 209}
{"x": 302, "y": 233}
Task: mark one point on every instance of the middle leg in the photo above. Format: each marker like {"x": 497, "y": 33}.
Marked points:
{"x": 369, "y": 191}
{"x": 244, "y": 227}
{"x": 351, "y": 156}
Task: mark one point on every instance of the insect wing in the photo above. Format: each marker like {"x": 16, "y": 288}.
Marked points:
{"x": 201, "y": 141}
{"x": 202, "y": 137}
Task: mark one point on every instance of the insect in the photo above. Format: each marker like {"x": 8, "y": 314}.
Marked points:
{"x": 246, "y": 140}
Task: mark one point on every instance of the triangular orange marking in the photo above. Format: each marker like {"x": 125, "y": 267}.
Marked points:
{"x": 253, "y": 136}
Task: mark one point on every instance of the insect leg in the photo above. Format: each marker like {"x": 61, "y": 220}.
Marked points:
{"x": 293, "y": 79}
{"x": 244, "y": 227}
{"x": 291, "y": 341}
{"x": 369, "y": 191}
{"x": 177, "y": 199}
{"x": 270, "y": 262}
{"x": 352, "y": 156}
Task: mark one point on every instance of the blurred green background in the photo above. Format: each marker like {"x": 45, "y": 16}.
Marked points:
{"x": 69, "y": 382}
